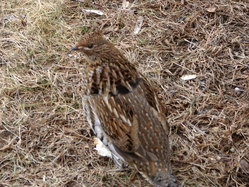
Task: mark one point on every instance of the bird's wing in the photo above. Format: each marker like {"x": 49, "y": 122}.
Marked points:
{"x": 128, "y": 118}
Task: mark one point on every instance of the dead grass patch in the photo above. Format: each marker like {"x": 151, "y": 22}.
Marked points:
{"x": 44, "y": 140}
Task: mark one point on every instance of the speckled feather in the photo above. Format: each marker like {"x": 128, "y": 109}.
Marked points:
{"x": 124, "y": 111}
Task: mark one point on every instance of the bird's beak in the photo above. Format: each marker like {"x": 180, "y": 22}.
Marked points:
{"x": 74, "y": 48}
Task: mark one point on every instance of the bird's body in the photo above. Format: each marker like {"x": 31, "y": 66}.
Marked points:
{"x": 124, "y": 111}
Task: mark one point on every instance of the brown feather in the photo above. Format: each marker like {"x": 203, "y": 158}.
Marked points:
{"x": 124, "y": 111}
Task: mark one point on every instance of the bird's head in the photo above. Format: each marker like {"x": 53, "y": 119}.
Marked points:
{"x": 95, "y": 46}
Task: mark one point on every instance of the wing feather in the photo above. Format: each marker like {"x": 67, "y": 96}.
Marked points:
{"x": 127, "y": 119}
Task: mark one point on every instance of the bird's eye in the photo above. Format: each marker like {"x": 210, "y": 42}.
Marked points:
{"x": 90, "y": 46}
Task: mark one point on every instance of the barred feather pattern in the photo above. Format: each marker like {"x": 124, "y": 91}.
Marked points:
{"x": 124, "y": 112}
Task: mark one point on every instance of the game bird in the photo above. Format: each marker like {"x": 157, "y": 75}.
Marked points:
{"x": 124, "y": 111}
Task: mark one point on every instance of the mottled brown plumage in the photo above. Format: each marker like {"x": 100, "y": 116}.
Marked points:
{"x": 124, "y": 112}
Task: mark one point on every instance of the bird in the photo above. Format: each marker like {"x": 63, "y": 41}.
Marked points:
{"x": 124, "y": 111}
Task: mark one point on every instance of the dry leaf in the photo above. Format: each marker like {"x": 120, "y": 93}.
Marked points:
{"x": 138, "y": 25}
{"x": 98, "y": 12}
{"x": 244, "y": 165}
{"x": 125, "y": 4}
{"x": 211, "y": 9}
{"x": 101, "y": 148}
{"x": 188, "y": 77}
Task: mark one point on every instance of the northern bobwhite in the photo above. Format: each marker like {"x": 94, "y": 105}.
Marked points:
{"x": 124, "y": 112}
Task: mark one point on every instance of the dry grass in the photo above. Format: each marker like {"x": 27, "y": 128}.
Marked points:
{"x": 44, "y": 140}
